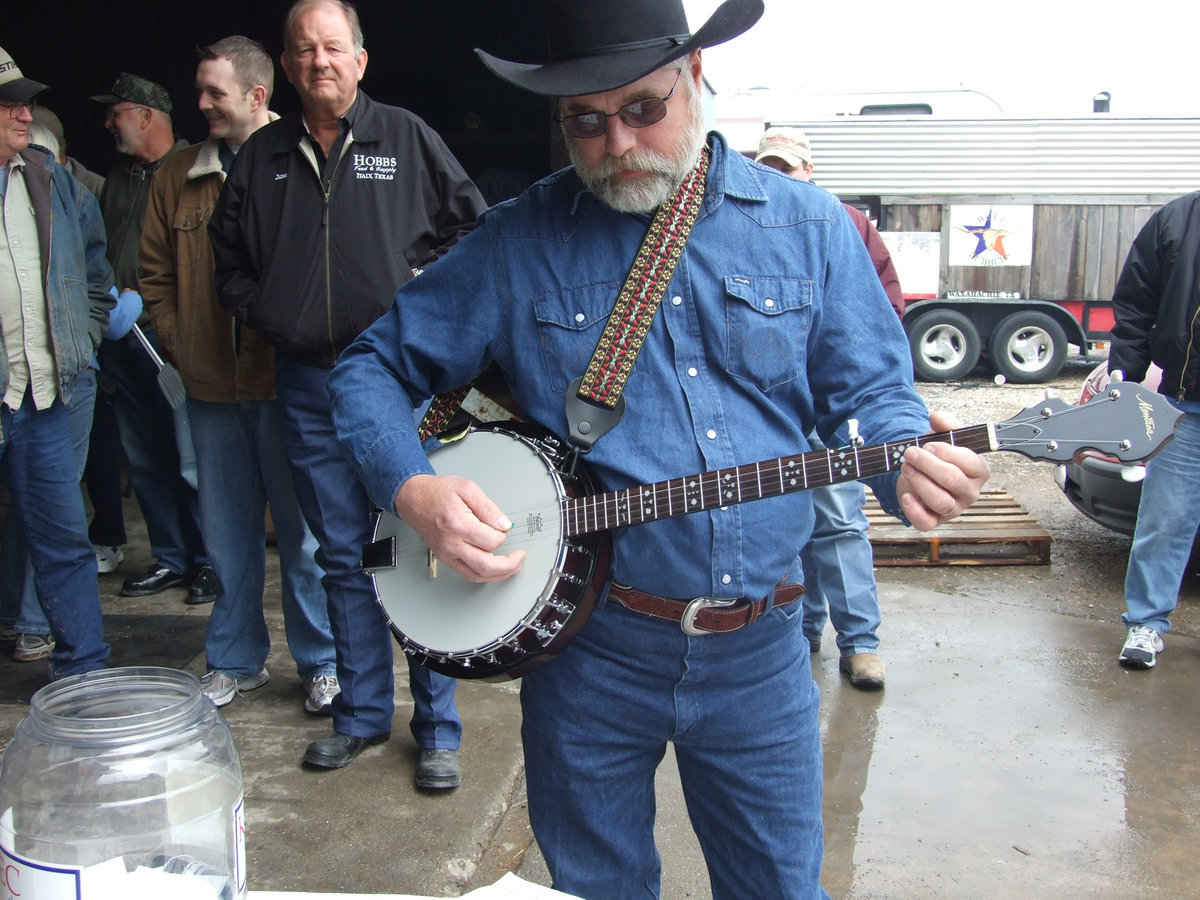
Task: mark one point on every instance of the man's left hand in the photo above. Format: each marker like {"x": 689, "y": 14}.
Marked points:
{"x": 938, "y": 481}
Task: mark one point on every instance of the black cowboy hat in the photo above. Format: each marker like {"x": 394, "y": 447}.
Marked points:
{"x": 599, "y": 45}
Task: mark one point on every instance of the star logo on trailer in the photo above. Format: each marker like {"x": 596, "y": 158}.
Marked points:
{"x": 988, "y": 236}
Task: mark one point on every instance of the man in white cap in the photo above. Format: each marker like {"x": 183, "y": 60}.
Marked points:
{"x": 838, "y": 562}
{"x": 54, "y": 307}
{"x": 758, "y": 340}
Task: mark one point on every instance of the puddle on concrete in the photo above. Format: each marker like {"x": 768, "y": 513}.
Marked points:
{"x": 1009, "y": 755}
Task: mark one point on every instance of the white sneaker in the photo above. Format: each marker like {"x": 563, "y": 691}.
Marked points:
{"x": 108, "y": 558}
{"x": 1142, "y": 645}
{"x": 321, "y": 690}
{"x": 221, "y": 687}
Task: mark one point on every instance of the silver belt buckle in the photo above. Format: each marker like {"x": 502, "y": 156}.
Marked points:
{"x": 688, "y": 621}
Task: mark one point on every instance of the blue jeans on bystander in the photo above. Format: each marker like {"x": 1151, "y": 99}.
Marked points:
{"x": 38, "y": 463}
{"x": 1167, "y": 522}
{"x": 20, "y": 608}
{"x": 242, "y": 465}
{"x": 338, "y": 510}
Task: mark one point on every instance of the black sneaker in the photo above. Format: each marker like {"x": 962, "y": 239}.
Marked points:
{"x": 204, "y": 587}
{"x": 156, "y": 580}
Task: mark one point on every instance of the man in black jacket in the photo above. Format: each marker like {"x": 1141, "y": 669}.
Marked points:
{"x": 1156, "y": 303}
{"x": 323, "y": 216}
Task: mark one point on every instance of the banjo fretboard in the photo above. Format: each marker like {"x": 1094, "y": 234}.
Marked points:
{"x": 754, "y": 481}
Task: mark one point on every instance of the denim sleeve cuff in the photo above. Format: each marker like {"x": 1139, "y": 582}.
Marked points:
{"x": 884, "y": 488}
{"x": 387, "y": 465}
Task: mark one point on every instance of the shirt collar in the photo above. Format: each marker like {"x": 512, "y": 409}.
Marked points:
{"x": 345, "y": 121}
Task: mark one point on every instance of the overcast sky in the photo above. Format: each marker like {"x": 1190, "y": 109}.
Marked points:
{"x": 1033, "y": 57}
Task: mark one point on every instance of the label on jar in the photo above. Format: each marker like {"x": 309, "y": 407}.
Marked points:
{"x": 24, "y": 878}
{"x": 239, "y": 858}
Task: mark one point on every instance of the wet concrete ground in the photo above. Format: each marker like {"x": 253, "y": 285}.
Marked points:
{"x": 1008, "y": 757}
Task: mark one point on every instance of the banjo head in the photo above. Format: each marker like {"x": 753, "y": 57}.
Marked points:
{"x": 469, "y": 630}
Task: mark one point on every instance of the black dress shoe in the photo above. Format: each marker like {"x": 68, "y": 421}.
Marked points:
{"x": 339, "y": 749}
{"x": 204, "y": 587}
{"x": 438, "y": 770}
{"x": 156, "y": 580}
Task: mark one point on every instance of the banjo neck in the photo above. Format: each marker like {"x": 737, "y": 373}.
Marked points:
{"x": 753, "y": 481}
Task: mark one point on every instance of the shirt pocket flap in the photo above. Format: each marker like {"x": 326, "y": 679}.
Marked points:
{"x": 577, "y": 309}
{"x": 770, "y": 296}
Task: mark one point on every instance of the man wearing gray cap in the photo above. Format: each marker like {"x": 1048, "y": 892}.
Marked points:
{"x": 54, "y": 307}
{"x": 838, "y": 562}
{"x": 748, "y": 296}
{"x": 155, "y": 438}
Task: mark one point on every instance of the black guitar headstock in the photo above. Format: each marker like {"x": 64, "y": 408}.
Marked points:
{"x": 1126, "y": 421}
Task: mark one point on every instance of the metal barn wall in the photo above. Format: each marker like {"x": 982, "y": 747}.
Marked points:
{"x": 890, "y": 157}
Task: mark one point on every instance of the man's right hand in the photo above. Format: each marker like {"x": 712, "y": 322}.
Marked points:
{"x": 460, "y": 524}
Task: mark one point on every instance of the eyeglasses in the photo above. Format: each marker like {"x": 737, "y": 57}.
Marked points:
{"x": 638, "y": 114}
{"x": 14, "y": 109}
{"x": 113, "y": 114}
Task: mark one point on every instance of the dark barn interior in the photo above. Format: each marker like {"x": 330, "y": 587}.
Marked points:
{"x": 420, "y": 56}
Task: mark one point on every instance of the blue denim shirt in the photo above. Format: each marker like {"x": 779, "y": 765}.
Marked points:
{"x": 774, "y": 324}
{"x": 76, "y": 271}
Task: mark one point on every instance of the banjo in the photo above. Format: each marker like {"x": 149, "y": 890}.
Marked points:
{"x": 502, "y": 630}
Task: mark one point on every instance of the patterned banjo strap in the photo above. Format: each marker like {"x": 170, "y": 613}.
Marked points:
{"x": 441, "y": 411}
{"x": 634, "y": 311}
{"x": 637, "y": 304}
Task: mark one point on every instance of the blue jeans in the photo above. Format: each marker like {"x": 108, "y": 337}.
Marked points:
{"x": 20, "y": 608}
{"x": 148, "y": 427}
{"x": 741, "y": 709}
{"x": 337, "y": 509}
{"x": 838, "y": 566}
{"x": 242, "y": 466}
{"x": 39, "y": 464}
{"x": 1167, "y": 522}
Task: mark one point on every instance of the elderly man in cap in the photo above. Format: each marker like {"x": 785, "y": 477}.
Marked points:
{"x": 771, "y": 324}
{"x": 54, "y": 307}
{"x": 155, "y": 437}
{"x": 838, "y": 562}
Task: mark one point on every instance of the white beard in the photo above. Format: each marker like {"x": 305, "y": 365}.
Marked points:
{"x": 662, "y": 174}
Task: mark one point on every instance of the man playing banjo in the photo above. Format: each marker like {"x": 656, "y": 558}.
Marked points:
{"x": 771, "y": 324}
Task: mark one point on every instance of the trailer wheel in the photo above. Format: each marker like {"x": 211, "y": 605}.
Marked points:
{"x": 1028, "y": 347}
{"x": 944, "y": 345}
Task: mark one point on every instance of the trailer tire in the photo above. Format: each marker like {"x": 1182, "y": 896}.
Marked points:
{"x": 1028, "y": 347}
{"x": 944, "y": 345}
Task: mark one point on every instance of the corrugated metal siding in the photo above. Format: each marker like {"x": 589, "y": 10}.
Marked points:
{"x": 929, "y": 156}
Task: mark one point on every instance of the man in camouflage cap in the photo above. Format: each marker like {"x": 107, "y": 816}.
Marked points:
{"x": 138, "y": 90}
{"x": 138, "y": 117}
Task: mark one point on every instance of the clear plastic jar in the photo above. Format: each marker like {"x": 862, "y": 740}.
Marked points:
{"x": 122, "y": 783}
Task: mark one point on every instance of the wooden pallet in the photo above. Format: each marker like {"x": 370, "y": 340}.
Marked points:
{"x": 995, "y": 531}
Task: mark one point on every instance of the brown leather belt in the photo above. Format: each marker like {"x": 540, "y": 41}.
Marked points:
{"x": 703, "y": 615}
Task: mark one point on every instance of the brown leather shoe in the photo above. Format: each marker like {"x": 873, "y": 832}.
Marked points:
{"x": 866, "y": 671}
